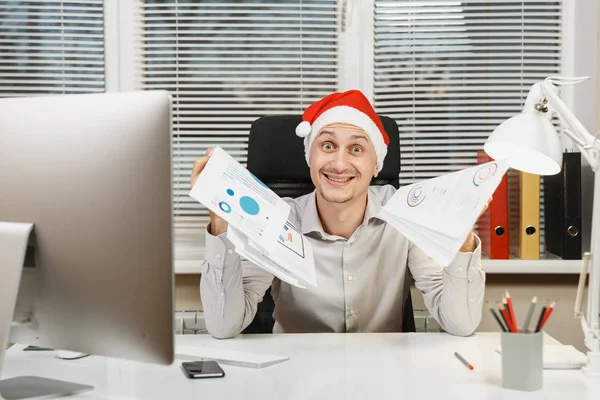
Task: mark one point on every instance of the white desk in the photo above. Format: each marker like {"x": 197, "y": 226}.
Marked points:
{"x": 322, "y": 366}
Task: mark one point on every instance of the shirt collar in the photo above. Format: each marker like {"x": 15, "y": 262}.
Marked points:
{"x": 373, "y": 206}
{"x": 312, "y": 223}
{"x": 310, "y": 219}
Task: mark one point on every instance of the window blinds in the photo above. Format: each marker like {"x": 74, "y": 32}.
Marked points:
{"x": 51, "y": 47}
{"x": 227, "y": 64}
{"x": 450, "y": 72}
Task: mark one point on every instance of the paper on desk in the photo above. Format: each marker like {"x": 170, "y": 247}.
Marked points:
{"x": 291, "y": 260}
{"x": 231, "y": 357}
{"x": 437, "y": 214}
{"x": 236, "y": 195}
{"x": 560, "y": 357}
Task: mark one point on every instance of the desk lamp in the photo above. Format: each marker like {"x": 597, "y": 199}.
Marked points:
{"x": 530, "y": 143}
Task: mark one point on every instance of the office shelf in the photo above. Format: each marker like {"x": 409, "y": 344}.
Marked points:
{"x": 187, "y": 267}
{"x": 545, "y": 265}
{"x": 189, "y": 256}
{"x": 548, "y": 264}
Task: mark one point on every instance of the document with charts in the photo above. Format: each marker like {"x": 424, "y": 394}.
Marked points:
{"x": 437, "y": 214}
{"x": 257, "y": 219}
{"x": 291, "y": 260}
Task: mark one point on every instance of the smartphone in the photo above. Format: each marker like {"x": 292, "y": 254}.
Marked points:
{"x": 202, "y": 369}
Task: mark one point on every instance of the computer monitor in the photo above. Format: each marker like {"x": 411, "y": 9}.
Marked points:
{"x": 92, "y": 173}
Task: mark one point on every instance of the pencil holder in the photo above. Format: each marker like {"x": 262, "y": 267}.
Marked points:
{"x": 522, "y": 360}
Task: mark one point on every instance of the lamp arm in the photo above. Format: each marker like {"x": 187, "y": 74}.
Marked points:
{"x": 587, "y": 143}
{"x": 590, "y": 149}
{"x": 593, "y": 304}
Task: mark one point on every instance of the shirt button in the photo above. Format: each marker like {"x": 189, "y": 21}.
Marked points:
{"x": 350, "y": 277}
{"x": 351, "y": 312}
{"x": 348, "y": 244}
{"x": 471, "y": 300}
{"x": 460, "y": 269}
{"x": 229, "y": 251}
{"x": 218, "y": 256}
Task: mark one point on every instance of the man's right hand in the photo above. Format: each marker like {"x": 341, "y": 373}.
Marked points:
{"x": 217, "y": 224}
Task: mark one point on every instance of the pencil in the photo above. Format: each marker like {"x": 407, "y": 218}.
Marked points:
{"x": 529, "y": 314}
{"x": 500, "y": 308}
{"x": 539, "y": 324}
{"x": 497, "y": 318}
{"x": 462, "y": 360}
{"x": 507, "y": 319}
{"x": 547, "y": 315}
{"x": 511, "y": 311}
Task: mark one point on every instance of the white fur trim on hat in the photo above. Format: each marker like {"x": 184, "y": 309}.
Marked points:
{"x": 303, "y": 129}
{"x": 348, "y": 115}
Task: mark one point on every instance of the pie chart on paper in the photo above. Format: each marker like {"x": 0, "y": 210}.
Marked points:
{"x": 249, "y": 205}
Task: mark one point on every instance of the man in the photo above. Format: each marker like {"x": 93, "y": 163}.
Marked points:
{"x": 364, "y": 266}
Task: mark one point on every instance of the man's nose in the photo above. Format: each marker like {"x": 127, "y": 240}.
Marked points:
{"x": 341, "y": 161}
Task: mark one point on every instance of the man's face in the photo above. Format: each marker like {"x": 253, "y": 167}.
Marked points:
{"x": 342, "y": 162}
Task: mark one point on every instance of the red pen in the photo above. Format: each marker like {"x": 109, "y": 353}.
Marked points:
{"x": 509, "y": 323}
{"x": 511, "y": 311}
{"x": 508, "y": 317}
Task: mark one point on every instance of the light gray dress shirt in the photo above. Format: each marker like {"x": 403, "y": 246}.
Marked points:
{"x": 362, "y": 282}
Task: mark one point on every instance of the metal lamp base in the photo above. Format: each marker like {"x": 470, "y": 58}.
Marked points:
{"x": 592, "y": 369}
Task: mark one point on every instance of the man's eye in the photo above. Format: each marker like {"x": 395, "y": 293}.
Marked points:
{"x": 357, "y": 149}
{"x": 327, "y": 146}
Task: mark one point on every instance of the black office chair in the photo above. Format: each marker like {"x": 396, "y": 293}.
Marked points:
{"x": 281, "y": 165}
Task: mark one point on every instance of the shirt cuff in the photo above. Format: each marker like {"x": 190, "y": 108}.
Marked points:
{"x": 466, "y": 265}
{"x": 220, "y": 252}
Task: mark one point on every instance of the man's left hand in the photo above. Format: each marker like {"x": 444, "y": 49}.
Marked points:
{"x": 470, "y": 243}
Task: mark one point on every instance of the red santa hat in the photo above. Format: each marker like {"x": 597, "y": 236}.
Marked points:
{"x": 351, "y": 107}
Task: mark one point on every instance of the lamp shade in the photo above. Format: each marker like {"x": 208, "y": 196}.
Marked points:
{"x": 529, "y": 142}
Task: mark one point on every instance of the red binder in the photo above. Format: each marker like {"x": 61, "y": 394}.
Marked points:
{"x": 493, "y": 224}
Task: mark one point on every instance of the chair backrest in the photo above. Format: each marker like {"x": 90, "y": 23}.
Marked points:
{"x": 276, "y": 157}
{"x": 281, "y": 165}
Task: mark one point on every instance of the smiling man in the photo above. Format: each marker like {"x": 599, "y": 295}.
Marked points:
{"x": 364, "y": 266}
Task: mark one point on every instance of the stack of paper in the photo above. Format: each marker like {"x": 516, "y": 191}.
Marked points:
{"x": 257, "y": 218}
{"x": 437, "y": 214}
{"x": 291, "y": 260}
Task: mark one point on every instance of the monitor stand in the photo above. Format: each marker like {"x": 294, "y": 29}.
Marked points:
{"x": 34, "y": 387}
{"x": 14, "y": 238}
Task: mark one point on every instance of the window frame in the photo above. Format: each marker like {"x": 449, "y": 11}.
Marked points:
{"x": 356, "y": 45}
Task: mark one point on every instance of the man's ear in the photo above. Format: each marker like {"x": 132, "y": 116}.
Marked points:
{"x": 376, "y": 172}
